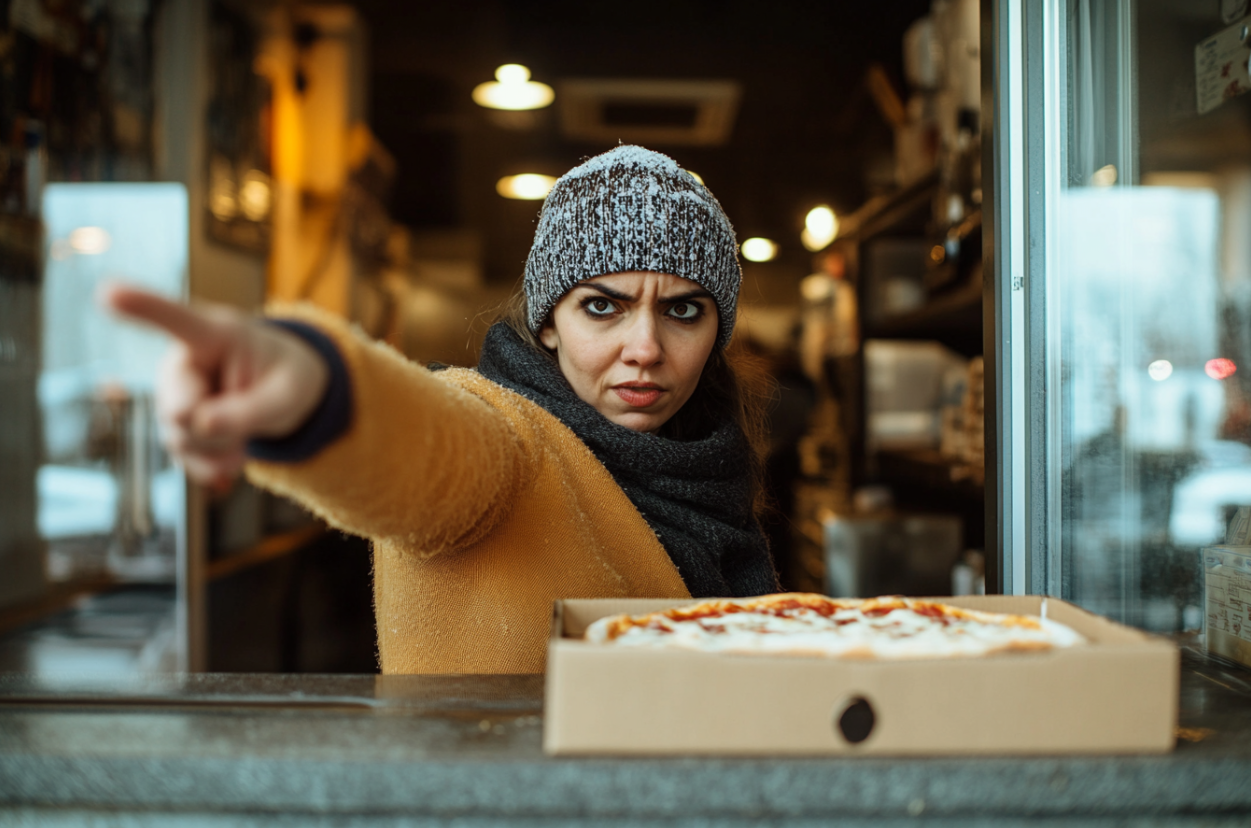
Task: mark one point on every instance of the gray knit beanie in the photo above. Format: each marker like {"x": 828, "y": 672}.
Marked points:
{"x": 627, "y": 210}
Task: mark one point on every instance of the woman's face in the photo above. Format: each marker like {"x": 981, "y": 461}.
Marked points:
{"x": 633, "y": 345}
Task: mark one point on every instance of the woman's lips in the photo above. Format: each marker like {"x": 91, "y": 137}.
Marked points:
{"x": 639, "y": 396}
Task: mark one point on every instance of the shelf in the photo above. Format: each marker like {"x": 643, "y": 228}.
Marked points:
{"x": 269, "y": 549}
{"x": 57, "y": 598}
{"x": 883, "y": 213}
{"x": 63, "y": 595}
{"x": 954, "y": 314}
{"x": 927, "y": 469}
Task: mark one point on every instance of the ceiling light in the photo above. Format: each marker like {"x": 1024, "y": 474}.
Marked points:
{"x": 820, "y": 228}
{"x": 513, "y": 89}
{"x": 527, "y": 186}
{"x": 759, "y": 250}
{"x": 90, "y": 240}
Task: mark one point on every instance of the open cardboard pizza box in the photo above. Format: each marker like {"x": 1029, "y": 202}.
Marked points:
{"x": 1116, "y": 694}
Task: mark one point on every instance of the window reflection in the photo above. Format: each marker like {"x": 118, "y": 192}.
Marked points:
{"x": 109, "y": 502}
{"x": 1151, "y": 278}
{"x": 1143, "y": 419}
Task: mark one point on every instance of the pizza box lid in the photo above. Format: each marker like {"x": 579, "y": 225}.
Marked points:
{"x": 1116, "y": 694}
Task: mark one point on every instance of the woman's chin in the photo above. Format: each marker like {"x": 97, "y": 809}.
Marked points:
{"x": 638, "y": 420}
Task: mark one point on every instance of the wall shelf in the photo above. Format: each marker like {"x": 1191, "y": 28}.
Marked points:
{"x": 889, "y": 212}
{"x": 951, "y": 317}
{"x": 268, "y": 549}
{"x": 928, "y": 469}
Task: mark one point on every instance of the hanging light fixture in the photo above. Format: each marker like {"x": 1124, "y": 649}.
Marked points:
{"x": 527, "y": 186}
{"x": 513, "y": 89}
{"x": 820, "y": 228}
{"x": 757, "y": 249}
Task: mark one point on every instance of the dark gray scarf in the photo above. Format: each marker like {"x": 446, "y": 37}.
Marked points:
{"x": 695, "y": 495}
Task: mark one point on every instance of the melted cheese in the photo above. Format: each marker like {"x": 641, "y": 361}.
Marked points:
{"x": 901, "y": 633}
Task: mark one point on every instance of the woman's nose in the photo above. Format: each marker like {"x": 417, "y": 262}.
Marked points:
{"x": 642, "y": 342}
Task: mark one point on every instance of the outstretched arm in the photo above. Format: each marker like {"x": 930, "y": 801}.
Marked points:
{"x": 420, "y": 460}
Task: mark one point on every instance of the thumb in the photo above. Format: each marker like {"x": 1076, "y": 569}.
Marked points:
{"x": 228, "y": 417}
{"x": 260, "y": 410}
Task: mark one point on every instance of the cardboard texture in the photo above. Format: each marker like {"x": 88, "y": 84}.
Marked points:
{"x": 1118, "y": 694}
{"x": 1227, "y": 595}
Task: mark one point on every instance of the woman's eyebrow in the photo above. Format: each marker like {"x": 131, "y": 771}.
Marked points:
{"x": 697, "y": 293}
{"x": 609, "y": 292}
{"x": 686, "y": 297}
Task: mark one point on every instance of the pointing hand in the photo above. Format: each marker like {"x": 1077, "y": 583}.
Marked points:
{"x": 228, "y": 378}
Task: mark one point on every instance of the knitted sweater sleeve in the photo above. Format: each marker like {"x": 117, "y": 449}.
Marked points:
{"x": 423, "y": 461}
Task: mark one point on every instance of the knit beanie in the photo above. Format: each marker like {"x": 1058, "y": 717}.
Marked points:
{"x": 627, "y": 210}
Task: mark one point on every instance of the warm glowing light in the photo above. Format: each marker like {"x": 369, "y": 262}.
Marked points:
{"x": 1104, "y": 176}
{"x": 1220, "y": 368}
{"x": 512, "y": 73}
{"x": 1160, "y": 370}
{"x": 695, "y": 176}
{"x": 254, "y": 195}
{"x": 513, "y": 89}
{"x": 90, "y": 240}
{"x": 223, "y": 199}
{"x": 816, "y": 288}
{"x": 820, "y": 228}
{"x": 757, "y": 249}
{"x": 527, "y": 186}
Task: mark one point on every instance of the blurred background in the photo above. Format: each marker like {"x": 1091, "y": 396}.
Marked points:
{"x": 387, "y": 160}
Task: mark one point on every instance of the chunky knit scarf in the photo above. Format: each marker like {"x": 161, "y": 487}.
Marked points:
{"x": 695, "y": 495}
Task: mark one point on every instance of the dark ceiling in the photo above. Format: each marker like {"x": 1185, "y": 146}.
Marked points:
{"x": 806, "y": 130}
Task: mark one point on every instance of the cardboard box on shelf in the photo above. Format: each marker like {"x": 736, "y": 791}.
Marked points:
{"x": 1227, "y": 595}
{"x": 1116, "y": 694}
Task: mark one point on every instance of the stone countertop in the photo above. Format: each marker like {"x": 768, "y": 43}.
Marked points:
{"x": 248, "y": 749}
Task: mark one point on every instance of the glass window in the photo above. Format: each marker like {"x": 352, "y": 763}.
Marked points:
{"x": 101, "y": 502}
{"x": 1147, "y": 293}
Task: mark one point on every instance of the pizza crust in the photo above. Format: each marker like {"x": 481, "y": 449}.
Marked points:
{"x": 810, "y": 625}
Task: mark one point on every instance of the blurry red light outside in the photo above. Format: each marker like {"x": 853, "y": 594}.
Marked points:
{"x": 1220, "y": 368}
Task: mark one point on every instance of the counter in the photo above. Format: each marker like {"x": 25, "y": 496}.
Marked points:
{"x": 466, "y": 750}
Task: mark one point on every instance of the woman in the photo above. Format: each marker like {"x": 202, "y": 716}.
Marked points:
{"x": 596, "y": 452}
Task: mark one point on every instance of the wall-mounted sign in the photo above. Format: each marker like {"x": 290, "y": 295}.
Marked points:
{"x": 1221, "y": 66}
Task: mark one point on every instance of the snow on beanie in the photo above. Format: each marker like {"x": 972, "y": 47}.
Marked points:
{"x": 631, "y": 209}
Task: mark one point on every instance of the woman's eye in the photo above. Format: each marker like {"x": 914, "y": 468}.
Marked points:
{"x": 599, "y": 307}
{"x": 686, "y": 311}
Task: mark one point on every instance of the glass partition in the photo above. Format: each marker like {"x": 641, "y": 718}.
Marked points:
{"x": 1139, "y": 291}
{"x": 108, "y": 504}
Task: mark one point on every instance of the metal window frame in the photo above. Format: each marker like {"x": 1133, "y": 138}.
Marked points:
{"x": 1025, "y": 103}
{"x": 1022, "y": 146}
{"x": 1003, "y": 309}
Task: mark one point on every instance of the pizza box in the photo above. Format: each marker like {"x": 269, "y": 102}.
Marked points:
{"x": 1117, "y": 694}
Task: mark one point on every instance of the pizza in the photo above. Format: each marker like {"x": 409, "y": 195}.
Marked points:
{"x": 805, "y": 624}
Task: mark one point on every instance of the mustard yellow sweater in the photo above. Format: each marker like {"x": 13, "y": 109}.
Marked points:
{"x": 483, "y": 509}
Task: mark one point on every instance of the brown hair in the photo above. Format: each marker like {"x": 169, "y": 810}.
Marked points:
{"x": 733, "y": 379}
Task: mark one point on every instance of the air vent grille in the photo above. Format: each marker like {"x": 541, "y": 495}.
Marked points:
{"x": 648, "y": 112}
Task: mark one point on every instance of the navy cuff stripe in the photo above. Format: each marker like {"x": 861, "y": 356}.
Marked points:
{"x": 328, "y": 421}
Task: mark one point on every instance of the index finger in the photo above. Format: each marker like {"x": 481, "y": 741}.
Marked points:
{"x": 176, "y": 319}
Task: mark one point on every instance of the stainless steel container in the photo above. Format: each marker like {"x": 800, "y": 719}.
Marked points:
{"x": 892, "y": 554}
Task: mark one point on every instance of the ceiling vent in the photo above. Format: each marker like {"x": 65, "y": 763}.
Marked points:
{"x": 686, "y": 112}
